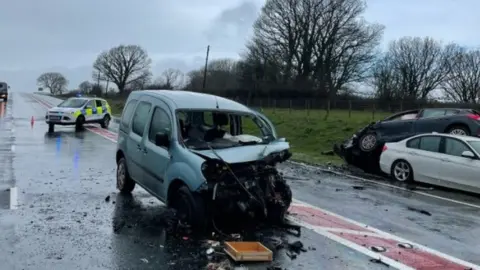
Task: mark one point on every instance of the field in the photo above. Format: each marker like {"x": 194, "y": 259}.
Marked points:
{"x": 309, "y": 132}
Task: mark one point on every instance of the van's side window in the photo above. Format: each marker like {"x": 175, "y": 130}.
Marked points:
{"x": 160, "y": 123}
{"x": 127, "y": 112}
{"x": 140, "y": 118}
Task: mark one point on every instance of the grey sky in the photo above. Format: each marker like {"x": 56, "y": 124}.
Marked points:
{"x": 66, "y": 35}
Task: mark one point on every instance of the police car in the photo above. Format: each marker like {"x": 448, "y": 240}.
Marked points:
{"x": 78, "y": 111}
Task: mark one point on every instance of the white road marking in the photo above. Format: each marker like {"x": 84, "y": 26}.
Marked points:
{"x": 13, "y": 198}
{"x": 387, "y": 185}
{"x": 361, "y": 249}
{"x": 380, "y": 233}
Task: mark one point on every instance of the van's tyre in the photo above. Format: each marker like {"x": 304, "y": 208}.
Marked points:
{"x": 105, "y": 121}
{"x": 190, "y": 208}
{"x": 277, "y": 211}
{"x": 51, "y": 128}
{"x": 79, "y": 123}
{"x": 124, "y": 183}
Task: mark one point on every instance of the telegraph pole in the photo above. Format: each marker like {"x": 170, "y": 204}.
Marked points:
{"x": 205, "y": 70}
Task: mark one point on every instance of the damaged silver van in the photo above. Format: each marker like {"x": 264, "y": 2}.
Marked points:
{"x": 202, "y": 155}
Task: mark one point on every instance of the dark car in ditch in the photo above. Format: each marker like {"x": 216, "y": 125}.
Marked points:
{"x": 363, "y": 149}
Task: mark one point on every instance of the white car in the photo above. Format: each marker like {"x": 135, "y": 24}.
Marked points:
{"x": 441, "y": 159}
{"x": 78, "y": 111}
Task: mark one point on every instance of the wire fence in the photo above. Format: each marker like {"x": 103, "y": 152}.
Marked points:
{"x": 349, "y": 105}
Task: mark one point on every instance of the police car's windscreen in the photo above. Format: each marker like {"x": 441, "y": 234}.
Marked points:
{"x": 73, "y": 103}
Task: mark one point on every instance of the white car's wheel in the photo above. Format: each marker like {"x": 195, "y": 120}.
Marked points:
{"x": 402, "y": 171}
{"x": 368, "y": 142}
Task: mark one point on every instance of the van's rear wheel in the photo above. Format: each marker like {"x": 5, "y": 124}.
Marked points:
{"x": 51, "y": 128}
{"x": 190, "y": 208}
{"x": 124, "y": 183}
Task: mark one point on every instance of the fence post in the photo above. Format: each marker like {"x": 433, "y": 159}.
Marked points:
{"x": 401, "y": 105}
{"x": 307, "y": 107}
{"x": 274, "y": 105}
{"x": 290, "y": 107}
{"x": 349, "y": 109}
{"x": 373, "y": 112}
{"x": 328, "y": 110}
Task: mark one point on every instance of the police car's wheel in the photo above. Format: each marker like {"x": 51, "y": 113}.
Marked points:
{"x": 80, "y": 121}
{"x": 106, "y": 121}
{"x": 124, "y": 183}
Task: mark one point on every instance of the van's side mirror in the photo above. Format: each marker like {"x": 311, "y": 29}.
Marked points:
{"x": 161, "y": 139}
{"x": 468, "y": 154}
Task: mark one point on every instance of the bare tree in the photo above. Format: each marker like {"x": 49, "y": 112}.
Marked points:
{"x": 53, "y": 81}
{"x": 384, "y": 79}
{"x": 85, "y": 87}
{"x": 123, "y": 65}
{"x": 420, "y": 63}
{"x": 170, "y": 79}
{"x": 462, "y": 83}
{"x": 319, "y": 44}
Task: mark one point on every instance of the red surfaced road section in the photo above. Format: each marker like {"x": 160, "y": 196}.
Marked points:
{"x": 415, "y": 257}
{"x": 322, "y": 219}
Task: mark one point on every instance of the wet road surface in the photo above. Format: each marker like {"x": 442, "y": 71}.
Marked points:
{"x": 54, "y": 215}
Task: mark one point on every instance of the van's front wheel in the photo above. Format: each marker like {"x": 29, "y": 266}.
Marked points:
{"x": 190, "y": 208}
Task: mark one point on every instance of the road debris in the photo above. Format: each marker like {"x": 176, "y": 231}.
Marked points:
{"x": 421, "y": 211}
{"x": 107, "y": 199}
{"x": 358, "y": 187}
{"x": 328, "y": 153}
{"x": 224, "y": 265}
{"x": 379, "y": 261}
{"x": 144, "y": 260}
{"x": 248, "y": 251}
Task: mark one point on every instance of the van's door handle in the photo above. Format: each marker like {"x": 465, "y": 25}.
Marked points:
{"x": 413, "y": 153}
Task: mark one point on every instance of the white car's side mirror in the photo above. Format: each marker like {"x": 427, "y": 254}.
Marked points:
{"x": 468, "y": 154}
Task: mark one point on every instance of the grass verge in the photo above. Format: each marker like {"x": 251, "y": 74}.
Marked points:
{"x": 309, "y": 132}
